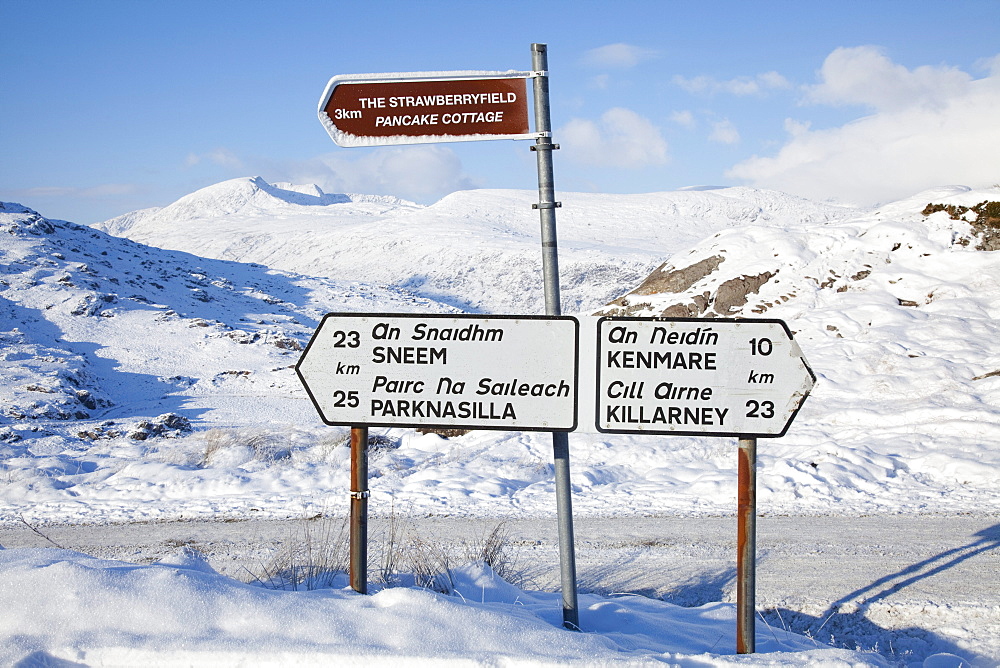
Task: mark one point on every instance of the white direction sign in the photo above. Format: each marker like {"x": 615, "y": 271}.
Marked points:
{"x": 467, "y": 371}
{"x": 699, "y": 377}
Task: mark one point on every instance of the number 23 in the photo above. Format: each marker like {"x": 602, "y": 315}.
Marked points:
{"x": 761, "y": 409}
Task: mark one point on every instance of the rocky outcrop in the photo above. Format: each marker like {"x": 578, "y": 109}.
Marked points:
{"x": 727, "y": 298}
{"x": 667, "y": 279}
{"x": 732, "y": 294}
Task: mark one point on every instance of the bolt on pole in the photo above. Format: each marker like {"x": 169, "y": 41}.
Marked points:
{"x": 746, "y": 547}
{"x": 550, "y": 269}
{"x": 359, "y": 510}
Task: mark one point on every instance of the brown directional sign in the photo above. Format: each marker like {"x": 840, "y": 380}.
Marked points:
{"x": 365, "y": 110}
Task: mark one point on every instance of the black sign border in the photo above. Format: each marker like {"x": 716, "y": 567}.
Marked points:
{"x": 703, "y": 434}
{"x": 476, "y": 316}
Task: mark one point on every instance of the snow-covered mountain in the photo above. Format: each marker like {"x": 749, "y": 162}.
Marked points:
{"x": 138, "y": 383}
{"x": 478, "y": 250}
{"x": 897, "y": 317}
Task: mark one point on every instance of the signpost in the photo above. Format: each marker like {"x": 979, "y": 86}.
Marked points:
{"x": 463, "y": 371}
{"x": 675, "y": 376}
{"x": 706, "y": 377}
{"x": 431, "y": 107}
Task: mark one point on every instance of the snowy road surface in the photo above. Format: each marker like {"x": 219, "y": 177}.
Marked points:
{"x": 927, "y": 583}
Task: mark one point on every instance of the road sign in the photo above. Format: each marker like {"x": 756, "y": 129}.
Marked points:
{"x": 464, "y": 371}
{"x": 699, "y": 377}
{"x": 425, "y": 107}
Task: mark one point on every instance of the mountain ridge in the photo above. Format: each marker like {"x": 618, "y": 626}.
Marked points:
{"x": 441, "y": 251}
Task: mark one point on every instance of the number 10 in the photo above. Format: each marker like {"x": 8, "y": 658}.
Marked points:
{"x": 761, "y": 347}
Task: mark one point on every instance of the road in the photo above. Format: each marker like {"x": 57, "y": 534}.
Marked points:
{"x": 906, "y": 585}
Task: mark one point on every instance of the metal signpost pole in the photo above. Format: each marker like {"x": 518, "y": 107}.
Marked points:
{"x": 359, "y": 509}
{"x": 550, "y": 268}
{"x": 746, "y": 547}
{"x": 747, "y": 378}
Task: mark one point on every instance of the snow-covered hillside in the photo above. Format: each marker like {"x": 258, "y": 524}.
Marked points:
{"x": 107, "y": 341}
{"x": 895, "y": 316}
{"x": 478, "y": 250}
{"x": 899, "y": 314}
{"x": 142, "y": 384}
{"x": 894, "y": 313}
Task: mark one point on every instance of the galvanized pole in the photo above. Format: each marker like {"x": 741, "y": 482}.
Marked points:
{"x": 746, "y": 547}
{"x": 359, "y": 509}
{"x": 550, "y": 269}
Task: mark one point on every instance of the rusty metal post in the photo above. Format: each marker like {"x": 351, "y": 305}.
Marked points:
{"x": 746, "y": 547}
{"x": 359, "y": 509}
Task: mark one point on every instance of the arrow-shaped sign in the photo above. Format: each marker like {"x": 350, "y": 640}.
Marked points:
{"x": 700, "y": 377}
{"x": 425, "y": 107}
{"x": 513, "y": 373}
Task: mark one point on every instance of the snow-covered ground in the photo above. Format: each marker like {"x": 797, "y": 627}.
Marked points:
{"x": 79, "y": 610}
{"x": 908, "y": 586}
{"x": 145, "y": 384}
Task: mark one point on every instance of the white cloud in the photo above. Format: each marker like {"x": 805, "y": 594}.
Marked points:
{"x": 864, "y": 75}
{"x": 724, "y": 132}
{"x": 220, "y": 156}
{"x": 932, "y": 126}
{"x": 991, "y": 64}
{"x": 600, "y": 82}
{"x": 621, "y": 138}
{"x": 773, "y": 80}
{"x": 683, "y": 118}
{"x": 419, "y": 173}
{"x": 95, "y": 192}
{"x": 741, "y": 86}
{"x": 796, "y": 128}
{"x": 618, "y": 56}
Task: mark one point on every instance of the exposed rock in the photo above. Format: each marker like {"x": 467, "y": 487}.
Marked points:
{"x": 32, "y": 223}
{"x": 733, "y": 293}
{"x": 169, "y": 425}
{"x": 443, "y": 433}
{"x": 664, "y": 279}
{"x": 623, "y": 307}
{"x": 9, "y": 436}
{"x": 864, "y": 273}
{"x": 702, "y": 301}
{"x": 286, "y": 343}
{"x": 87, "y": 399}
{"x": 985, "y": 224}
{"x": 677, "y": 311}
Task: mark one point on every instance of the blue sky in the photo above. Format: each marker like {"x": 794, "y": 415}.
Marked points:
{"x": 114, "y": 106}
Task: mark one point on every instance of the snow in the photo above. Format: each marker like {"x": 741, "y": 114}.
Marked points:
{"x": 180, "y": 612}
{"x": 151, "y": 378}
{"x": 606, "y": 242}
